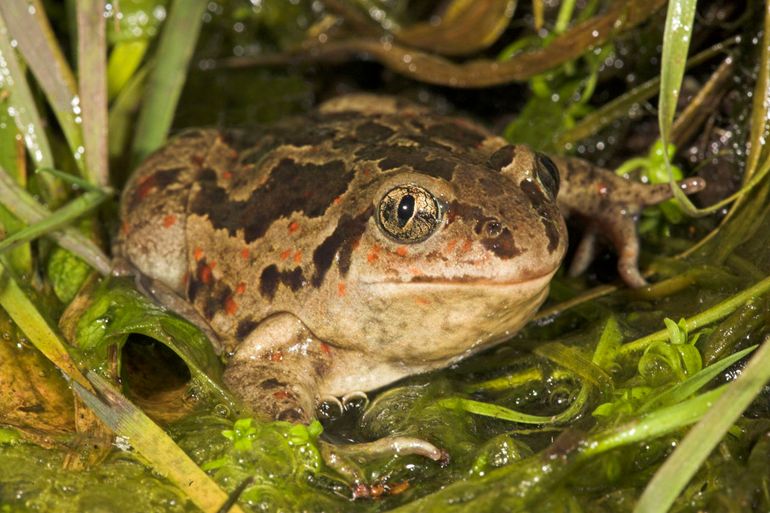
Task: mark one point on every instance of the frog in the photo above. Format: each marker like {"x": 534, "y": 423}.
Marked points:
{"x": 369, "y": 240}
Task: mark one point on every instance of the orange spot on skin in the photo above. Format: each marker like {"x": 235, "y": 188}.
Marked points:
{"x": 325, "y": 348}
{"x": 293, "y": 226}
{"x": 373, "y": 254}
{"x": 422, "y": 301}
{"x": 338, "y": 200}
{"x": 414, "y": 271}
{"x": 146, "y": 185}
{"x": 204, "y": 274}
{"x": 169, "y": 221}
{"x": 276, "y": 356}
{"x": 467, "y": 245}
{"x": 402, "y": 251}
{"x": 450, "y": 246}
{"x": 341, "y": 289}
{"x": 241, "y": 288}
{"x": 281, "y": 394}
{"x": 125, "y": 228}
{"x": 245, "y": 253}
{"x": 213, "y": 264}
{"x": 227, "y": 175}
{"x": 298, "y": 257}
{"x": 197, "y": 254}
{"x": 285, "y": 254}
{"x": 231, "y": 306}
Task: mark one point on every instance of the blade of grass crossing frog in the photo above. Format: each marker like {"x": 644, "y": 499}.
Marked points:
{"x": 679, "y": 468}
{"x": 21, "y": 204}
{"x": 715, "y": 313}
{"x": 92, "y": 78}
{"x": 154, "y": 445}
{"x": 28, "y": 26}
{"x": 35, "y": 327}
{"x": 62, "y": 217}
{"x": 175, "y": 48}
{"x": 676, "y": 43}
{"x": 682, "y": 390}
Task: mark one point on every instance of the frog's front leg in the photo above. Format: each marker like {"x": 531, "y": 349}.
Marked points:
{"x": 611, "y": 206}
{"x": 278, "y": 368}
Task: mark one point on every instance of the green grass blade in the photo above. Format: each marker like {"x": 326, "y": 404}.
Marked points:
{"x": 92, "y": 77}
{"x": 73, "y": 180}
{"x": 165, "y": 456}
{"x": 679, "y": 468}
{"x": 676, "y": 44}
{"x": 35, "y": 327}
{"x": 26, "y": 115}
{"x": 652, "y": 425}
{"x": 713, "y": 314}
{"x": 492, "y": 410}
{"x": 22, "y": 205}
{"x": 175, "y": 48}
{"x": 682, "y": 390}
{"x": 62, "y": 217}
{"x": 27, "y": 24}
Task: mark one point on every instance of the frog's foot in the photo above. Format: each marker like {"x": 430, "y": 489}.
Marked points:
{"x": 611, "y": 206}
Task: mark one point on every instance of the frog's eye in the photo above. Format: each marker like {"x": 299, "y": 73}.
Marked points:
{"x": 409, "y": 213}
{"x": 547, "y": 174}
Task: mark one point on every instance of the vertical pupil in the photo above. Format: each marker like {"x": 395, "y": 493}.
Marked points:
{"x": 405, "y": 210}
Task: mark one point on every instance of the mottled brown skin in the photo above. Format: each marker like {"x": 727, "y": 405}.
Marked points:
{"x": 275, "y": 238}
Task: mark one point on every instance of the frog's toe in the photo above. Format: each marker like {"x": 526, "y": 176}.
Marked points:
{"x": 585, "y": 252}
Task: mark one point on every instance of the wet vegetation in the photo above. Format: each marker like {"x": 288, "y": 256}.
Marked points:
{"x": 612, "y": 399}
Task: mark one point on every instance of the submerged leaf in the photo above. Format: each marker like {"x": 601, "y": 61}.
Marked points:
{"x": 110, "y": 311}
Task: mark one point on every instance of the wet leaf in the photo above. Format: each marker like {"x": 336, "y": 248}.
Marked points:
{"x": 100, "y": 322}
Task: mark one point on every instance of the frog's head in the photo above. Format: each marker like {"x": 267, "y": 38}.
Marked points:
{"x": 450, "y": 263}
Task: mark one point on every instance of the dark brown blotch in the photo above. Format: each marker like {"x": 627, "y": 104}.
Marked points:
{"x": 420, "y": 159}
{"x": 342, "y": 240}
{"x": 292, "y": 187}
{"x": 503, "y": 245}
{"x": 462, "y": 136}
{"x": 502, "y": 157}
{"x": 272, "y": 383}
{"x": 371, "y": 131}
{"x": 245, "y": 327}
{"x": 271, "y": 277}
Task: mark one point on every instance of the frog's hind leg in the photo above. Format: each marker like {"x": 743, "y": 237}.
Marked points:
{"x": 611, "y": 206}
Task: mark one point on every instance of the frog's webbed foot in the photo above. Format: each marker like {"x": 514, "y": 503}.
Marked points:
{"x": 611, "y": 206}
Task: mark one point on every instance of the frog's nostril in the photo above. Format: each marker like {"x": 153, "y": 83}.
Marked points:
{"x": 493, "y": 228}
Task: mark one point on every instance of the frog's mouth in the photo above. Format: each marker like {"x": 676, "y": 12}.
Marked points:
{"x": 536, "y": 281}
